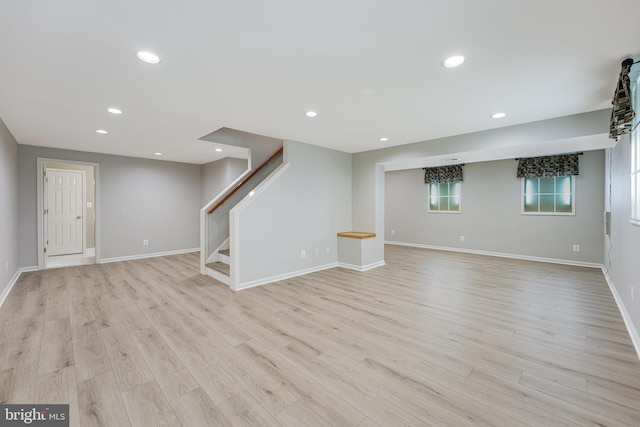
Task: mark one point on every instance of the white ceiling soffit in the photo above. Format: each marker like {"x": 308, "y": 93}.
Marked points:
{"x": 369, "y": 68}
{"x": 543, "y": 148}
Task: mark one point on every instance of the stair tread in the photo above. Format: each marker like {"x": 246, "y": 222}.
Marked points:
{"x": 224, "y": 252}
{"x": 219, "y": 266}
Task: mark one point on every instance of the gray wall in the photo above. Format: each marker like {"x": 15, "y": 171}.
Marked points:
{"x": 490, "y": 217}
{"x": 622, "y": 251}
{"x": 139, "y": 199}
{"x": 217, "y": 175}
{"x": 367, "y": 216}
{"x": 303, "y": 209}
{"x": 8, "y": 207}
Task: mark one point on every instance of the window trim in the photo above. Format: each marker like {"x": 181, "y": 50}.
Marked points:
{"x": 573, "y": 201}
{"x": 634, "y": 175}
{"x": 634, "y": 167}
{"x": 429, "y": 210}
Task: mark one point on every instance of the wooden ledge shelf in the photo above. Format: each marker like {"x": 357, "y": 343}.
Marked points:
{"x": 356, "y": 234}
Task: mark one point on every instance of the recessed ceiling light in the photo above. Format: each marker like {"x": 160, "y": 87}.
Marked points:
{"x": 148, "y": 57}
{"x": 311, "y": 114}
{"x": 218, "y": 149}
{"x": 114, "y": 110}
{"x": 454, "y": 61}
{"x": 102, "y": 131}
{"x": 157, "y": 154}
{"x": 384, "y": 139}
{"x": 498, "y": 115}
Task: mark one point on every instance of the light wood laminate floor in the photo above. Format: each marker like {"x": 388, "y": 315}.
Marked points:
{"x": 431, "y": 339}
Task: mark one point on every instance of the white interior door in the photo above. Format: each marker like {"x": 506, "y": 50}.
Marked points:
{"x": 65, "y": 211}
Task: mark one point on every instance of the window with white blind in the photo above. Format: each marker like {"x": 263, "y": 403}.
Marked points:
{"x": 445, "y": 197}
{"x": 548, "y": 196}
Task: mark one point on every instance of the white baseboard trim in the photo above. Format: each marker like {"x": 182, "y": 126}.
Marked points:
{"x": 13, "y": 281}
{"x": 285, "y": 276}
{"x": 633, "y": 332}
{"x": 498, "y": 254}
{"x": 152, "y": 255}
{"x": 361, "y": 267}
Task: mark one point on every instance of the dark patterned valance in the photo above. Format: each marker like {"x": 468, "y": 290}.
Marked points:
{"x": 622, "y": 114}
{"x": 451, "y": 173}
{"x": 538, "y": 167}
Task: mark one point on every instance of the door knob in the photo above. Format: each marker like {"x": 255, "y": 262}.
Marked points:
{"x": 78, "y": 217}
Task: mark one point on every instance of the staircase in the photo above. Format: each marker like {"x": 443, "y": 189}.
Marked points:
{"x": 222, "y": 265}
{"x": 214, "y": 223}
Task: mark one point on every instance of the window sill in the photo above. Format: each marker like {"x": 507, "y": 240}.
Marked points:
{"x": 549, "y": 213}
{"x": 444, "y": 212}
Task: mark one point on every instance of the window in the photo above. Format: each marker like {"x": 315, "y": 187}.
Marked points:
{"x": 635, "y": 176}
{"x": 635, "y": 156}
{"x": 444, "y": 197}
{"x": 552, "y": 195}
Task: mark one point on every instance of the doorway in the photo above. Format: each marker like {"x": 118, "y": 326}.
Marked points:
{"x": 68, "y": 214}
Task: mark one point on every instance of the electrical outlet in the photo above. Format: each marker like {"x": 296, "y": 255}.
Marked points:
{"x": 317, "y": 251}
{"x": 328, "y": 249}
{"x": 393, "y": 232}
{"x": 303, "y": 254}
{"x": 462, "y": 238}
{"x": 145, "y": 242}
{"x": 576, "y": 248}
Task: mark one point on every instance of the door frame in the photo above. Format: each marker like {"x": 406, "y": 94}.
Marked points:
{"x": 41, "y": 161}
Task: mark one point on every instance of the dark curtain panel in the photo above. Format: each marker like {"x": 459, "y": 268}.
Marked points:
{"x": 538, "y": 167}
{"x": 622, "y": 114}
{"x": 451, "y": 173}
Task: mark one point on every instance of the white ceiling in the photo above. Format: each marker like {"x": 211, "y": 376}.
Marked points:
{"x": 370, "y": 68}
